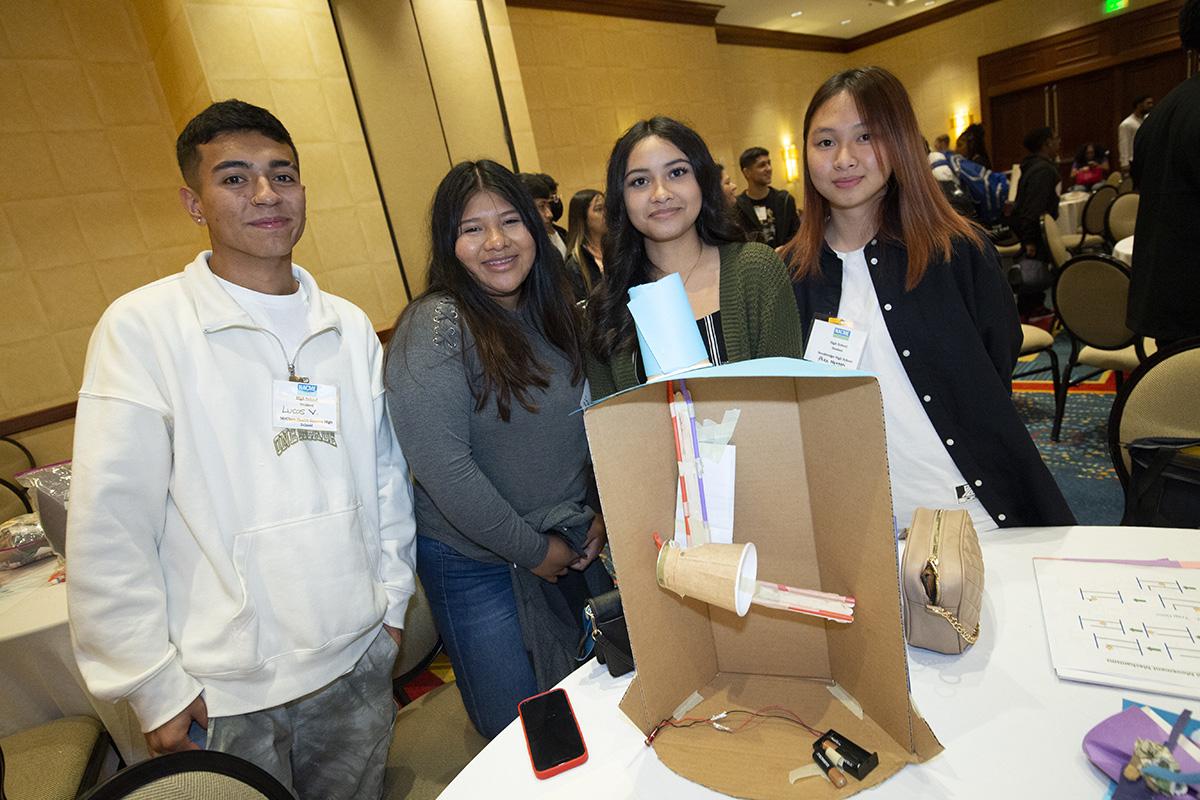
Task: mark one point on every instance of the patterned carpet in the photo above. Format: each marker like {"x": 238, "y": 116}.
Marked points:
{"x": 1080, "y": 460}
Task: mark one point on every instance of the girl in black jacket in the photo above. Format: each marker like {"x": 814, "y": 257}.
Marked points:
{"x": 881, "y": 250}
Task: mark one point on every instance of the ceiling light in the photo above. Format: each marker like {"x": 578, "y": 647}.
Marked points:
{"x": 797, "y": 13}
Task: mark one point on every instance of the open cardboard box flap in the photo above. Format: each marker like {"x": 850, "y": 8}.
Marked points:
{"x": 812, "y": 494}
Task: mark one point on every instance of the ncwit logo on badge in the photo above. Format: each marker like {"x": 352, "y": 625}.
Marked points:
{"x": 306, "y": 388}
{"x": 841, "y": 333}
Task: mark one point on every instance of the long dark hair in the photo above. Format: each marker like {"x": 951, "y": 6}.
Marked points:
{"x": 510, "y": 368}
{"x": 577, "y": 233}
{"x": 922, "y": 220}
{"x": 625, "y": 261}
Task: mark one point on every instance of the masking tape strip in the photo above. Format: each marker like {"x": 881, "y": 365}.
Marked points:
{"x": 689, "y": 702}
{"x": 710, "y": 432}
{"x": 846, "y": 699}
{"x": 807, "y": 771}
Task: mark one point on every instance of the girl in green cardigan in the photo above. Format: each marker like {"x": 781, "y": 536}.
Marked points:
{"x": 666, "y": 213}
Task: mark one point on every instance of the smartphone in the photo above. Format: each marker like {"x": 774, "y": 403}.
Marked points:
{"x": 551, "y": 733}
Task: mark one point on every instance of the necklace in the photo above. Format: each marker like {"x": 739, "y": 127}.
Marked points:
{"x": 690, "y": 271}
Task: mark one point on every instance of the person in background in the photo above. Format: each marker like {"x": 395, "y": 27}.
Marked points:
{"x": 1128, "y": 129}
{"x": 768, "y": 211}
{"x": 666, "y": 214}
{"x": 728, "y": 186}
{"x": 941, "y": 143}
{"x": 239, "y": 579}
{"x": 971, "y": 145}
{"x": 585, "y": 233}
{"x": 483, "y": 373}
{"x": 1090, "y": 166}
{"x": 881, "y": 250}
{"x": 556, "y": 205}
{"x": 539, "y": 188}
{"x": 1164, "y": 289}
{"x": 1036, "y": 195}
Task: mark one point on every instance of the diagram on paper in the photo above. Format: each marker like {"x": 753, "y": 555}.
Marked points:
{"x": 1122, "y": 624}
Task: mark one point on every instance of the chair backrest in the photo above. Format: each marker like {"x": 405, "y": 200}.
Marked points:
{"x": 1090, "y": 296}
{"x": 1054, "y": 243}
{"x": 1126, "y": 185}
{"x": 1097, "y": 208}
{"x": 420, "y": 642}
{"x": 1121, "y": 217}
{"x": 1114, "y": 179}
{"x": 191, "y": 775}
{"x": 1159, "y": 399}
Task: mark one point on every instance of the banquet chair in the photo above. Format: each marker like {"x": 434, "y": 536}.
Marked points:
{"x": 1159, "y": 399}
{"x": 1059, "y": 255}
{"x": 433, "y": 738}
{"x": 1094, "y": 212}
{"x": 1114, "y": 179}
{"x": 1038, "y": 340}
{"x": 191, "y": 775}
{"x": 1090, "y": 295}
{"x": 57, "y": 760}
{"x": 1121, "y": 217}
{"x": 1126, "y": 185}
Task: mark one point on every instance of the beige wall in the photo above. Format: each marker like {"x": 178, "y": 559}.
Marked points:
{"x": 587, "y": 78}
{"x": 88, "y": 209}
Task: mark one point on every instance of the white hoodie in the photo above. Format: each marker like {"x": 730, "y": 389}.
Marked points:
{"x": 209, "y": 551}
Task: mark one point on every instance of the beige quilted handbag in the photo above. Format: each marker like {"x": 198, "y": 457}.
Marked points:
{"x": 943, "y": 581}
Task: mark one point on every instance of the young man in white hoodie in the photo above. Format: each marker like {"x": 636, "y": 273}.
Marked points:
{"x": 241, "y": 528}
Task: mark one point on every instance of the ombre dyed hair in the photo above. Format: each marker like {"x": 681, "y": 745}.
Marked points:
{"x": 914, "y": 211}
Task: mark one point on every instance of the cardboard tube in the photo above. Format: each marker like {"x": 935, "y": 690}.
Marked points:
{"x": 723, "y": 575}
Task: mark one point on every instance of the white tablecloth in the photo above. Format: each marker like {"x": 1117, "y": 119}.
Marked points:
{"x": 39, "y": 680}
{"x": 1010, "y": 727}
{"x": 1123, "y": 250}
{"x": 1070, "y": 212}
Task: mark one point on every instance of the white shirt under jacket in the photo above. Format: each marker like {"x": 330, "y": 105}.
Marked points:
{"x": 208, "y": 550}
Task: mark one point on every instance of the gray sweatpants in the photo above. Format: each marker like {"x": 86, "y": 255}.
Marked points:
{"x": 327, "y": 745}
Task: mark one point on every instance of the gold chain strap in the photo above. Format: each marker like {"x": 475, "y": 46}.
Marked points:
{"x": 969, "y": 638}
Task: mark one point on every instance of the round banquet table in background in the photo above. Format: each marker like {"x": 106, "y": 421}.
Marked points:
{"x": 1070, "y": 212}
{"x": 1009, "y": 726}
{"x": 39, "y": 680}
{"x": 1123, "y": 250}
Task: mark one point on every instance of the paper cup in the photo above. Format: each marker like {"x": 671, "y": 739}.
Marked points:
{"x": 722, "y": 575}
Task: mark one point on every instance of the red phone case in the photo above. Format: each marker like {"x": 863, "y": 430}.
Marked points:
{"x": 566, "y": 765}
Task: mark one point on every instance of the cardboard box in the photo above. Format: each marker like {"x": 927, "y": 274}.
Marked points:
{"x": 812, "y": 493}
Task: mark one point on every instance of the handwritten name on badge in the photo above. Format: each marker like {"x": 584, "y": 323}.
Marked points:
{"x": 304, "y": 406}
{"x": 836, "y": 343}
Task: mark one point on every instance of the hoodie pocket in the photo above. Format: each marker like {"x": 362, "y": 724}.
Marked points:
{"x": 307, "y": 584}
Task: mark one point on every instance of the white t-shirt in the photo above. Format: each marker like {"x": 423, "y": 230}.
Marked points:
{"x": 285, "y": 315}
{"x": 1125, "y": 133}
{"x": 922, "y": 472}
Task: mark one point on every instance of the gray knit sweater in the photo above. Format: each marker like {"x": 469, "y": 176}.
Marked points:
{"x": 477, "y": 476}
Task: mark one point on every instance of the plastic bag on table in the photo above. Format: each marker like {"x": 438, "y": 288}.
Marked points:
{"x": 22, "y": 542}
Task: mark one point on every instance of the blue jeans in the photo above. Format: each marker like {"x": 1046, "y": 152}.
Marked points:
{"x": 476, "y": 614}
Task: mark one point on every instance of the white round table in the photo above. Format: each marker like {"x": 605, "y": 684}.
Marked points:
{"x": 39, "y": 680}
{"x": 1070, "y": 212}
{"x": 1009, "y": 725}
{"x": 1123, "y": 250}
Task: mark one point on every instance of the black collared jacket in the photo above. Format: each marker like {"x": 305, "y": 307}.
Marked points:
{"x": 958, "y": 337}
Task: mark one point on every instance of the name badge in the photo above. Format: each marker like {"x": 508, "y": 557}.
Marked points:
{"x": 304, "y": 406}
{"x": 835, "y": 342}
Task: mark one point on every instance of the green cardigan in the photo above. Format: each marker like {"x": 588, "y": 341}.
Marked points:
{"x": 758, "y": 317}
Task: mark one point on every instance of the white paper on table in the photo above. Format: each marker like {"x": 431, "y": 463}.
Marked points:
{"x": 1123, "y": 625}
{"x": 719, "y": 474}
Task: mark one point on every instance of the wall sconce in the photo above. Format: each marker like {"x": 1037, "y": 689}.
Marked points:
{"x": 791, "y": 162}
{"x": 959, "y": 123}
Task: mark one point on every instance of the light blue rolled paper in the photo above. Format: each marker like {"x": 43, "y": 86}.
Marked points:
{"x": 666, "y": 330}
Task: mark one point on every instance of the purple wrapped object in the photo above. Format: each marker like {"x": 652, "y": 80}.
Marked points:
{"x": 1109, "y": 745}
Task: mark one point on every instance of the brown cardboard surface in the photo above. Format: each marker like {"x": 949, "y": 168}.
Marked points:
{"x": 812, "y": 494}
{"x": 755, "y": 762}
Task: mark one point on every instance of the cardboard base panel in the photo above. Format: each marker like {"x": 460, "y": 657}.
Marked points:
{"x": 754, "y": 763}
